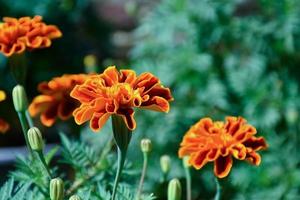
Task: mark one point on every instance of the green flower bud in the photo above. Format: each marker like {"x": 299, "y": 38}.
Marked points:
{"x": 35, "y": 139}
{"x": 165, "y": 163}
{"x": 56, "y": 189}
{"x": 146, "y": 145}
{"x": 19, "y": 98}
{"x": 75, "y": 197}
{"x": 174, "y": 190}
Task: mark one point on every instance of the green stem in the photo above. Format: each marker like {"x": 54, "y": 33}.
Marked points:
{"x": 29, "y": 119}
{"x": 43, "y": 161}
{"x": 122, "y": 136}
{"x": 25, "y": 127}
{"x": 188, "y": 183}
{"x": 140, "y": 188}
{"x": 218, "y": 189}
{"x": 121, "y": 161}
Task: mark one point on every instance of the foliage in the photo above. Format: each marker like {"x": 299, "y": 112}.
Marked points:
{"x": 228, "y": 58}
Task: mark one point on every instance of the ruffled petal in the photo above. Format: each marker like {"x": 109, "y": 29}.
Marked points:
{"x": 253, "y": 157}
{"x": 128, "y": 117}
{"x": 40, "y": 104}
{"x": 256, "y": 143}
{"x": 98, "y": 120}
{"x": 49, "y": 116}
{"x": 222, "y": 166}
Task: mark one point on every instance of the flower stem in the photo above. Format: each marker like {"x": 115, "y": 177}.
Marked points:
{"x": 122, "y": 136}
{"x": 25, "y": 127}
{"x": 218, "y": 189}
{"x": 140, "y": 188}
{"x": 188, "y": 183}
{"x": 121, "y": 161}
{"x": 43, "y": 161}
{"x": 29, "y": 119}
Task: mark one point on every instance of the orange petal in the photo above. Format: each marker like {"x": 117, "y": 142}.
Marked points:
{"x": 157, "y": 104}
{"x": 222, "y": 166}
{"x": 98, "y": 120}
{"x": 256, "y": 143}
{"x": 110, "y": 75}
{"x": 199, "y": 160}
{"x": 253, "y": 157}
{"x": 128, "y": 117}
{"x": 39, "y": 104}
{"x": 49, "y": 116}
{"x": 83, "y": 114}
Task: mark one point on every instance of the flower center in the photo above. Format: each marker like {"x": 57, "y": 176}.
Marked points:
{"x": 124, "y": 94}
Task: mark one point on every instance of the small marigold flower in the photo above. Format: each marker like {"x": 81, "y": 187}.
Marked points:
{"x": 114, "y": 92}
{"x": 55, "y": 101}
{"x": 209, "y": 141}
{"x": 18, "y": 34}
{"x": 4, "y": 126}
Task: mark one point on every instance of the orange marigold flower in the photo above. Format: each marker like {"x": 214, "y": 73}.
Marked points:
{"x": 4, "y": 126}
{"x": 18, "y": 34}
{"x": 209, "y": 141}
{"x": 114, "y": 92}
{"x": 55, "y": 100}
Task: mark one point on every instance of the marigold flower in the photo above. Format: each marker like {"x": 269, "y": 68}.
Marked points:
{"x": 209, "y": 141}
{"x": 18, "y": 34}
{"x": 114, "y": 92}
{"x": 55, "y": 100}
{"x": 4, "y": 126}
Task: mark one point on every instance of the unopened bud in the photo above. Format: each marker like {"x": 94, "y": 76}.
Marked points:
{"x": 75, "y": 197}
{"x": 146, "y": 145}
{"x": 174, "y": 190}
{"x": 165, "y": 163}
{"x": 35, "y": 139}
{"x": 56, "y": 189}
{"x": 19, "y": 98}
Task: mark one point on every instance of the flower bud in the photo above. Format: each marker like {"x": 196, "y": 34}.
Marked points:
{"x": 35, "y": 139}
{"x": 174, "y": 190}
{"x": 146, "y": 145}
{"x": 165, "y": 162}
{"x": 75, "y": 197}
{"x": 56, "y": 189}
{"x": 19, "y": 98}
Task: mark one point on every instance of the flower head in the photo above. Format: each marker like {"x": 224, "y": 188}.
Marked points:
{"x": 4, "y": 126}
{"x": 55, "y": 100}
{"x": 114, "y": 92}
{"x": 17, "y": 35}
{"x": 209, "y": 141}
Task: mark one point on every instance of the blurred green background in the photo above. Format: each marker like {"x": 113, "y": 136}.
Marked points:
{"x": 220, "y": 58}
